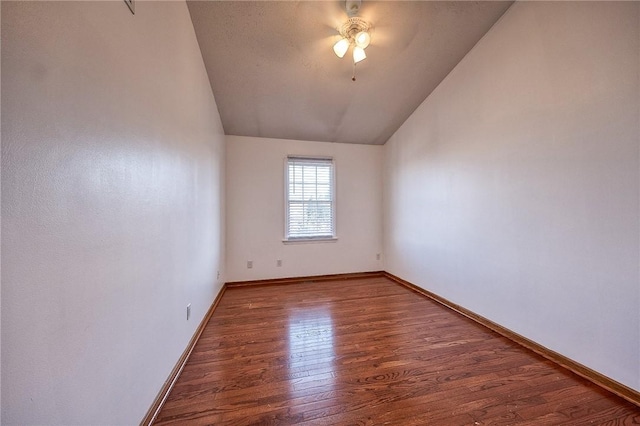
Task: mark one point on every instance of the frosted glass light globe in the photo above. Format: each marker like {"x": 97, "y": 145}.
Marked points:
{"x": 358, "y": 54}
{"x": 341, "y": 47}
{"x": 363, "y": 39}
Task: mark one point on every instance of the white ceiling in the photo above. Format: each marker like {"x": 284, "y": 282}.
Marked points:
{"x": 274, "y": 74}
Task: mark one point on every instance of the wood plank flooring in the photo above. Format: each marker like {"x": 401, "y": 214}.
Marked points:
{"x": 369, "y": 351}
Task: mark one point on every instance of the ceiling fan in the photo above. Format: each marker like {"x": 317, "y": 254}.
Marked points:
{"x": 354, "y": 32}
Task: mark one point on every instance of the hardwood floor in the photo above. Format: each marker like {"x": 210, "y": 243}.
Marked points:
{"x": 369, "y": 351}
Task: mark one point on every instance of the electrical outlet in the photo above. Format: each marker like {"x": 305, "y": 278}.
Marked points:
{"x": 279, "y": 262}
{"x": 188, "y": 311}
{"x": 377, "y": 256}
{"x": 249, "y": 264}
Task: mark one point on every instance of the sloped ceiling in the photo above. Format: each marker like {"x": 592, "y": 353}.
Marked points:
{"x": 274, "y": 74}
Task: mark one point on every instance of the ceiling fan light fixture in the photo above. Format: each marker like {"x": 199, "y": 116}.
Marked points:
{"x": 358, "y": 54}
{"x": 341, "y": 47}
{"x": 354, "y": 32}
{"x": 363, "y": 38}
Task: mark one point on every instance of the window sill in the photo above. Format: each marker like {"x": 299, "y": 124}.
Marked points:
{"x": 310, "y": 240}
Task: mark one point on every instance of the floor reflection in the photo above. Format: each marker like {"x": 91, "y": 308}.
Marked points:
{"x": 311, "y": 349}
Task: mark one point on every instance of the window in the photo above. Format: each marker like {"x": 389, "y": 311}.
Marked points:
{"x": 310, "y": 199}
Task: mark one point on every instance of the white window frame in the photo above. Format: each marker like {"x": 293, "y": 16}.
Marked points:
{"x": 309, "y": 239}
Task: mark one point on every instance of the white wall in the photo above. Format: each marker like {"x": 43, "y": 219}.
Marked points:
{"x": 513, "y": 190}
{"x": 255, "y": 210}
{"x": 112, "y": 213}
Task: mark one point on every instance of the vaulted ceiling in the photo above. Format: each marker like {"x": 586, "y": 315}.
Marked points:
{"x": 274, "y": 74}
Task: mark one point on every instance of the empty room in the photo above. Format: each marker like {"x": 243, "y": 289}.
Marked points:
{"x": 320, "y": 212}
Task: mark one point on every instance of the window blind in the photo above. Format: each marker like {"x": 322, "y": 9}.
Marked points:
{"x": 310, "y": 198}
